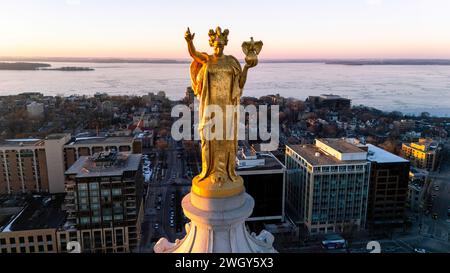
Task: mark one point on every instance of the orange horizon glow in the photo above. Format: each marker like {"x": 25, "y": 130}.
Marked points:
{"x": 289, "y": 29}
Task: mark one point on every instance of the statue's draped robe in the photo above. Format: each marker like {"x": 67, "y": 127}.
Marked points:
{"x": 218, "y": 84}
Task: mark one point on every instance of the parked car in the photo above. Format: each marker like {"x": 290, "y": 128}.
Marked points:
{"x": 435, "y": 216}
{"x": 419, "y": 250}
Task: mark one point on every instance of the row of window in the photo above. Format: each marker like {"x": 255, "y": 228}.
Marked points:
{"x": 31, "y": 249}
{"x": 12, "y": 240}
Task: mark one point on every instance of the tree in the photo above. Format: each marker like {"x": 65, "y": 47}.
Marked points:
{"x": 425, "y": 115}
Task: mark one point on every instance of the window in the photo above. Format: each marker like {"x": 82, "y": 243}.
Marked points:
{"x": 49, "y": 247}
{"x": 82, "y": 193}
{"x": 12, "y": 241}
{"x": 82, "y": 186}
{"x": 2, "y": 242}
{"x": 32, "y": 249}
{"x": 93, "y": 186}
{"x": 49, "y": 238}
{"x": 40, "y": 238}
{"x": 21, "y": 240}
{"x": 41, "y": 248}
{"x": 30, "y": 239}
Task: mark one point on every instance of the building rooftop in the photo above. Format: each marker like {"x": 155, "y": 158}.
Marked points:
{"x": 21, "y": 142}
{"x": 99, "y": 140}
{"x": 424, "y": 144}
{"x": 270, "y": 162}
{"x": 341, "y": 145}
{"x": 379, "y": 155}
{"x": 316, "y": 157}
{"x": 332, "y": 97}
{"x": 39, "y": 212}
{"x": 104, "y": 164}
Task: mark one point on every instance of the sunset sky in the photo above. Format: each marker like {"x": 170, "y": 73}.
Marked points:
{"x": 289, "y": 29}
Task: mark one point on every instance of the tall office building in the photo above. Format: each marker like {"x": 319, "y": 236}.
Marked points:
{"x": 23, "y": 166}
{"x": 104, "y": 202}
{"x": 327, "y": 186}
{"x": 389, "y": 178}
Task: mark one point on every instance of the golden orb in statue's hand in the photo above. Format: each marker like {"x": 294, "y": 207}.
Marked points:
{"x": 251, "y": 50}
{"x": 251, "y": 59}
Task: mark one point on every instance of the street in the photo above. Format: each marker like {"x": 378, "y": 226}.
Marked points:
{"x": 169, "y": 184}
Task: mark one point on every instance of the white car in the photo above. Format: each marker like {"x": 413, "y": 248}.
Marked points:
{"x": 420, "y": 250}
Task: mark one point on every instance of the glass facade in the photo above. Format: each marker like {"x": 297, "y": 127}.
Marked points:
{"x": 325, "y": 198}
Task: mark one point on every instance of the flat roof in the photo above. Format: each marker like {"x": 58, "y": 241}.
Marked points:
{"x": 100, "y": 140}
{"x": 40, "y": 212}
{"x": 379, "y": 155}
{"x": 309, "y": 152}
{"x": 21, "y": 142}
{"x": 270, "y": 163}
{"x": 85, "y": 167}
{"x": 341, "y": 145}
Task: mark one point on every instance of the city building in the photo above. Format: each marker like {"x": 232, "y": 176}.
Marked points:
{"x": 78, "y": 147}
{"x": 104, "y": 203}
{"x": 54, "y": 155}
{"x": 327, "y": 186}
{"x": 38, "y": 165}
{"x": 423, "y": 154}
{"x": 388, "y": 189}
{"x": 264, "y": 180}
{"x": 331, "y": 102}
{"x": 31, "y": 224}
{"x": 23, "y": 166}
{"x": 415, "y": 196}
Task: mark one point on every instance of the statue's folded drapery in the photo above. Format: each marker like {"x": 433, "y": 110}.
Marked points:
{"x": 217, "y": 84}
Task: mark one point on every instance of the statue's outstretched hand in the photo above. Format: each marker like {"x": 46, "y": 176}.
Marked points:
{"x": 188, "y": 36}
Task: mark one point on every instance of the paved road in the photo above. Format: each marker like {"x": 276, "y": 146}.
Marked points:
{"x": 166, "y": 181}
{"x": 439, "y": 228}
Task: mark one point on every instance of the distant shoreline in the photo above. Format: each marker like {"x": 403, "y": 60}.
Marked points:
{"x": 187, "y": 61}
{"x": 24, "y": 66}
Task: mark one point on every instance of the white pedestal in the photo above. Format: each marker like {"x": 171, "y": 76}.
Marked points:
{"x": 218, "y": 226}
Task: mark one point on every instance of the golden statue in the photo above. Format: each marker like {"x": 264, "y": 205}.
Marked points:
{"x": 218, "y": 80}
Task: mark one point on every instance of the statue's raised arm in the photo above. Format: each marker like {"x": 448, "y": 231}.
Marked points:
{"x": 197, "y": 56}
